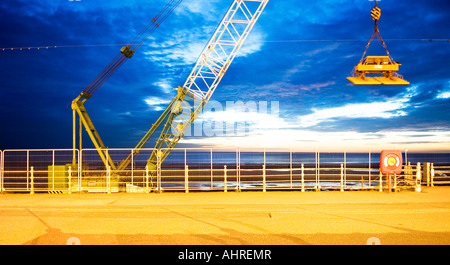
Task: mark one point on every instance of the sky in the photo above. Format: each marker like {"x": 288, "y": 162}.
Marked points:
{"x": 287, "y": 88}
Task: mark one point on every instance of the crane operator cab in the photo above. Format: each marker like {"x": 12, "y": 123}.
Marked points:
{"x": 382, "y": 69}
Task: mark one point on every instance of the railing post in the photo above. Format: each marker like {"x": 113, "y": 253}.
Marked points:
{"x": 389, "y": 176}
{"x": 32, "y": 180}
{"x": 69, "y": 172}
{"x": 345, "y": 166}
{"x": 80, "y": 168}
{"x": 28, "y": 169}
{"x": 264, "y": 178}
{"x": 290, "y": 166}
{"x": 158, "y": 171}
{"x": 303, "y": 178}
{"x": 1, "y": 172}
{"x": 147, "y": 190}
{"x": 432, "y": 175}
{"x": 418, "y": 187}
{"x": 53, "y": 170}
{"x": 108, "y": 179}
{"x": 212, "y": 170}
{"x": 342, "y": 178}
{"x": 238, "y": 170}
{"x": 370, "y": 168}
{"x": 395, "y": 182}
{"x": 225, "y": 185}
{"x": 380, "y": 188}
{"x": 186, "y": 179}
{"x": 317, "y": 187}
{"x": 409, "y": 169}
{"x": 132, "y": 167}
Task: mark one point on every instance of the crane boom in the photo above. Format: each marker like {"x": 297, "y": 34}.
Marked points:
{"x": 203, "y": 80}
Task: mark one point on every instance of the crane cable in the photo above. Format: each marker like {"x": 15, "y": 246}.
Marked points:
{"x": 128, "y": 50}
{"x": 375, "y": 13}
{"x": 261, "y": 41}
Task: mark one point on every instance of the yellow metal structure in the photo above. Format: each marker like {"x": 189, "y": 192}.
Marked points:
{"x": 383, "y": 67}
{"x": 191, "y": 97}
{"x": 85, "y": 120}
{"x": 126, "y": 53}
{"x": 377, "y": 65}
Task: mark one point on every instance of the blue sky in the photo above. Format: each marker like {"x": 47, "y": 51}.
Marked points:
{"x": 296, "y": 59}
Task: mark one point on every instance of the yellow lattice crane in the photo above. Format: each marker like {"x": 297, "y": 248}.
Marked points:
{"x": 191, "y": 97}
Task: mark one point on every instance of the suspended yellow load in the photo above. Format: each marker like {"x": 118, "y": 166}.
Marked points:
{"x": 382, "y": 65}
{"x": 383, "y": 68}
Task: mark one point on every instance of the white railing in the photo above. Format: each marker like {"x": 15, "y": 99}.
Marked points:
{"x": 196, "y": 169}
{"x": 439, "y": 175}
{"x": 1, "y": 171}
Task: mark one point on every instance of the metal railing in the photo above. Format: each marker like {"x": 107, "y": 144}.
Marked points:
{"x": 1, "y": 171}
{"x": 439, "y": 175}
{"x": 37, "y": 170}
{"x": 195, "y": 169}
